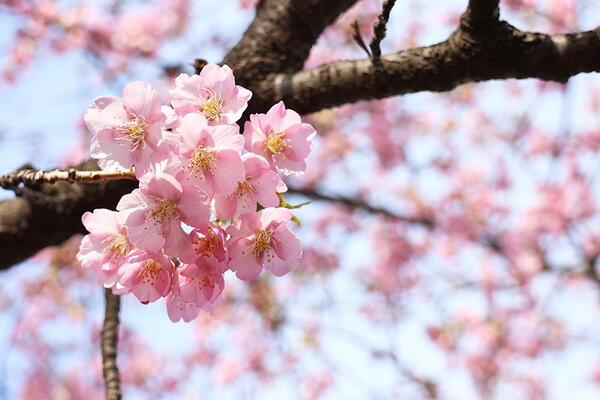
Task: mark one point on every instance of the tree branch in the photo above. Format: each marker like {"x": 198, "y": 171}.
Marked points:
{"x": 32, "y": 177}
{"x": 279, "y": 41}
{"x": 109, "y": 343}
{"x": 354, "y": 203}
{"x": 500, "y": 52}
{"x": 480, "y": 13}
{"x": 48, "y": 214}
{"x": 379, "y": 30}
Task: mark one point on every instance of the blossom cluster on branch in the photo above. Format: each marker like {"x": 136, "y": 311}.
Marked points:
{"x": 208, "y": 198}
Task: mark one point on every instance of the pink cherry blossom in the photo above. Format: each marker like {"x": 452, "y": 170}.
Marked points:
{"x": 106, "y": 247}
{"x": 213, "y": 93}
{"x": 210, "y": 155}
{"x": 206, "y": 285}
{"x": 126, "y": 130}
{"x": 281, "y": 137}
{"x": 177, "y": 308}
{"x": 154, "y": 212}
{"x": 260, "y": 186}
{"x": 147, "y": 275}
{"x": 260, "y": 240}
{"x": 209, "y": 243}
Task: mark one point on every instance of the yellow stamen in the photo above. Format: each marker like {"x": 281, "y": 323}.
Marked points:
{"x": 207, "y": 245}
{"x": 262, "y": 242}
{"x": 117, "y": 245}
{"x": 206, "y": 281}
{"x": 134, "y": 130}
{"x": 276, "y": 142}
{"x": 202, "y": 160}
{"x": 165, "y": 210}
{"x": 149, "y": 271}
{"x": 244, "y": 188}
{"x": 212, "y": 108}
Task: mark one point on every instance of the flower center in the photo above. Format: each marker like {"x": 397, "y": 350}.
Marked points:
{"x": 202, "y": 160}
{"x": 276, "y": 143}
{"x": 150, "y": 271}
{"x": 134, "y": 130}
{"x": 244, "y": 188}
{"x": 212, "y": 108}
{"x": 207, "y": 281}
{"x": 165, "y": 210}
{"x": 117, "y": 245}
{"x": 207, "y": 245}
{"x": 262, "y": 242}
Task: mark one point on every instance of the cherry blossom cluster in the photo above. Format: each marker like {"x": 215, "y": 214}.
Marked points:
{"x": 208, "y": 198}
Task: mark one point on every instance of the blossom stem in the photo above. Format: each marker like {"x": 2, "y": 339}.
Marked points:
{"x": 30, "y": 177}
{"x": 109, "y": 340}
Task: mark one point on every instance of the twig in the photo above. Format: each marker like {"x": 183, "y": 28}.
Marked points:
{"x": 33, "y": 177}
{"x": 379, "y": 30}
{"x": 109, "y": 343}
{"x": 357, "y": 203}
{"x": 359, "y": 39}
{"x": 481, "y": 14}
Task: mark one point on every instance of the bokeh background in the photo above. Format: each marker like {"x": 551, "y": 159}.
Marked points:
{"x": 481, "y": 280}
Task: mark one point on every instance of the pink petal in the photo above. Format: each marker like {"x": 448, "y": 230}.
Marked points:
{"x": 142, "y": 100}
{"x": 265, "y": 187}
{"x": 113, "y": 154}
{"x": 135, "y": 199}
{"x": 190, "y": 131}
{"x": 194, "y": 206}
{"x": 287, "y": 245}
{"x": 278, "y": 266}
{"x": 104, "y": 113}
{"x": 101, "y": 221}
{"x": 289, "y": 119}
{"x": 243, "y": 262}
{"x": 147, "y": 236}
{"x": 289, "y": 166}
{"x": 300, "y": 146}
{"x": 226, "y": 205}
{"x": 162, "y": 186}
{"x": 176, "y": 240}
{"x": 227, "y": 137}
{"x": 228, "y": 171}
{"x": 276, "y": 216}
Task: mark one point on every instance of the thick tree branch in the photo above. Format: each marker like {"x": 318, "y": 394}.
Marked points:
{"x": 500, "y": 52}
{"x": 32, "y": 177}
{"x": 48, "y": 214}
{"x": 279, "y": 41}
{"x": 109, "y": 343}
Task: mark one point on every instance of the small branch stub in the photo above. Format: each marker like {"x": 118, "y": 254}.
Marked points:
{"x": 109, "y": 341}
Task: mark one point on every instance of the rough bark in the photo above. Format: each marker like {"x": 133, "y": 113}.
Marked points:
{"x": 48, "y": 214}
{"x": 496, "y": 52}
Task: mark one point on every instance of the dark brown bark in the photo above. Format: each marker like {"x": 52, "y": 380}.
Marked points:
{"x": 279, "y": 41}
{"x": 48, "y": 214}
{"x": 500, "y": 52}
